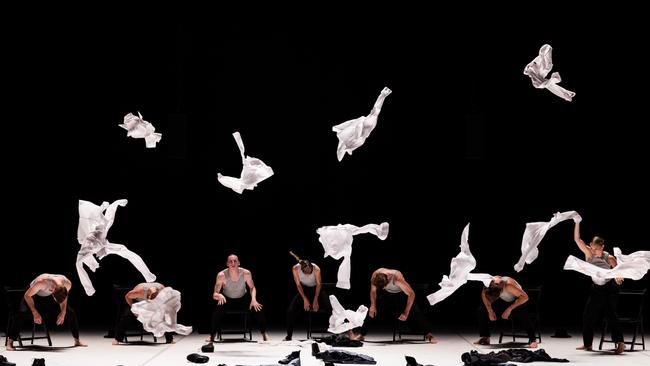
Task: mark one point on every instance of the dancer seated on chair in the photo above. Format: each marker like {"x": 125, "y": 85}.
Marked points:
{"x": 504, "y": 294}
{"x": 231, "y": 294}
{"x": 602, "y": 298}
{"x": 399, "y": 298}
{"x": 45, "y": 285}
{"x": 141, "y": 292}
{"x": 307, "y": 277}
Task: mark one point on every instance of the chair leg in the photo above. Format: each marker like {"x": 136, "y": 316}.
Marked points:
{"x": 602, "y": 336}
{"x": 47, "y": 334}
{"x": 642, "y": 335}
{"x": 309, "y": 324}
{"x": 636, "y": 329}
{"x": 512, "y": 328}
{"x": 33, "y": 332}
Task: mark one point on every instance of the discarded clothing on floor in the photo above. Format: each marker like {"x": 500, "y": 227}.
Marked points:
{"x": 410, "y": 361}
{"x": 340, "y": 340}
{"x": 473, "y": 358}
{"x": 341, "y": 356}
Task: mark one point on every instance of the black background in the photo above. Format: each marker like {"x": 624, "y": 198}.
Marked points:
{"x": 464, "y": 137}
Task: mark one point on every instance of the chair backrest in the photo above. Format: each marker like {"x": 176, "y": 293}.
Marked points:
{"x": 630, "y": 304}
{"x": 13, "y": 297}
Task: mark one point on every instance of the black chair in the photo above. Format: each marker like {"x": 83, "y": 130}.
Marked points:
{"x": 533, "y": 306}
{"x": 310, "y": 315}
{"x": 120, "y": 304}
{"x": 630, "y": 307}
{"x": 323, "y": 312}
{"x": 14, "y": 297}
{"x": 245, "y": 329}
{"x": 401, "y": 328}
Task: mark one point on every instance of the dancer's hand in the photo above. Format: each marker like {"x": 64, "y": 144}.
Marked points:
{"x": 219, "y": 297}
{"x": 492, "y": 315}
{"x": 61, "y": 318}
{"x": 619, "y": 280}
{"x": 255, "y": 305}
{"x": 37, "y": 317}
{"x": 305, "y": 304}
{"x": 403, "y": 317}
{"x": 315, "y": 306}
{"x": 506, "y": 314}
{"x": 372, "y": 311}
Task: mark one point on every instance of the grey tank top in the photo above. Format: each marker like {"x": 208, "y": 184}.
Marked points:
{"x": 391, "y": 286}
{"x": 50, "y": 284}
{"x": 234, "y": 289}
{"x": 505, "y": 295}
{"x": 600, "y": 261}
{"x": 308, "y": 280}
{"x": 147, "y": 286}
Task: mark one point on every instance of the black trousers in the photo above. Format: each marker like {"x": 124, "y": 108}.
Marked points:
{"x": 601, "y": 304}
{"x": 519, "y": 315}
{"x": 49, "y": 309}
{"x": 296, "y": 306}
{"x": 239, "y": 304}
{"x": 128, "y": 318}
{"x": 393, "y": 305}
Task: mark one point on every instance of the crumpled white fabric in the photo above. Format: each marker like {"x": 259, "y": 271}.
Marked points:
{"x": 338, "y": 323}
{"x": 353, "y": 133}
{"x": 638, "y": 255}
{"x": 94, "y": 223}
{"x": 633, "y": 269}
{"x": 337, "y": 243}
{"x": 159, "y": 315}
{"x": 138, "y": 128}
{"x": 534, "y": 234}
{"x": 253, "y": 171}
{"x": 540, "y": 67}
{"x": 461, "y": 266}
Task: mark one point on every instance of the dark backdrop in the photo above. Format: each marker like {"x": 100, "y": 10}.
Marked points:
{"x": 464, "y": 137}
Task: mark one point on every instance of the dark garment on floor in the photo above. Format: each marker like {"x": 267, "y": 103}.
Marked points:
{"x": 473, "y": 358}
{"x": 336, "y": 356}
{"x": 411, "y": 361}
{"x": 340, "y": 340}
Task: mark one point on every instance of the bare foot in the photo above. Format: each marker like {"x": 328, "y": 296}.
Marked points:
{"x": 355, "y": 336}
{"x": 10, "y": 345}
{"x": 584, "y": 348}
{"x": 483, "y": 341}
{"x": 265, "y": 337}
{"x": 620, "y": 347}
{"x": 287, "y": 338}
{"x": 533, "y": 344}
{"x": 115, "y": 342}
{"x": 77, "y": 343}
{"x": 431, "y": 339}
{"x": 209, "y": 339}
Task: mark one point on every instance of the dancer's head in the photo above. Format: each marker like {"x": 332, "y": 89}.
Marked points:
{"x": 306, "y": 266}
{"x": 380, "y": 280}
{"x": 153, "y": 292}
{"x": 233, "y": 261}
{"x": 597, "y": 245}
{"x": 496, "y": 287}
{"x": 60, "y": 293}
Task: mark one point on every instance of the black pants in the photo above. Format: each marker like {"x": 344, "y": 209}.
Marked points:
{"x": 240, "y": 304}
{"x": 127, "y": 318}
{"x": 519, "y": 315}
{"x": 601, "y": 304}
{"x": 296, "y": 306}
{"x": 393, "y": 305}
{"x": 49, "y": 309}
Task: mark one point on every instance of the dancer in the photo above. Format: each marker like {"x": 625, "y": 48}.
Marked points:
{"x": 231, "y": 294}
{"x": 307, "y": 277}
{"x": 504, "y": 295}
{"x": 45, "y": 285}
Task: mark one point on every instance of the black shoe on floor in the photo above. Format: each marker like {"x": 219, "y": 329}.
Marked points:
{"x": 5, "y": 362}
{"x": 39, "y": 362}
{"x": 207, "y": 348}
{"x": 197, "y": 358}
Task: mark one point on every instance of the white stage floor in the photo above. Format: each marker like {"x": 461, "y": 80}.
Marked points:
{"x": 448, "y": 351}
